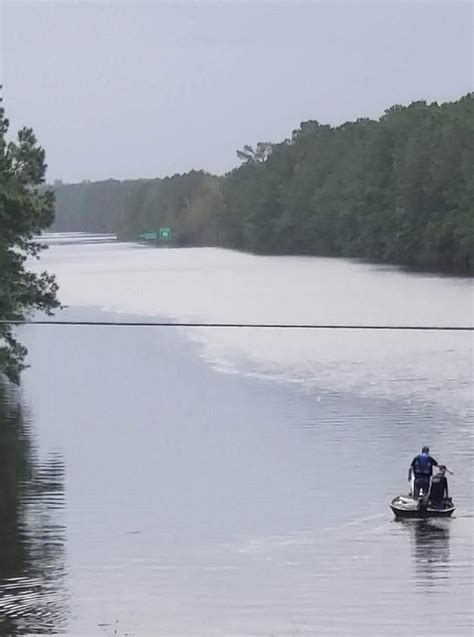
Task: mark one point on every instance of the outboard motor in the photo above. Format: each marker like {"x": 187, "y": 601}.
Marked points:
{"x": 422, "y": 501}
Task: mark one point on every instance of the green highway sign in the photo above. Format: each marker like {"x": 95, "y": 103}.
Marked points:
{"x": 150, "y": 236}
{"x": 163, "y": 233}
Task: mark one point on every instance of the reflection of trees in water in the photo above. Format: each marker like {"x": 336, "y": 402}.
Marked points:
{"x": 32, "y": 595}
{"x": 430, "y": 550}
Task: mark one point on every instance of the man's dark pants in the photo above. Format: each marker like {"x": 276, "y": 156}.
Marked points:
{"x": 422, "y": 483}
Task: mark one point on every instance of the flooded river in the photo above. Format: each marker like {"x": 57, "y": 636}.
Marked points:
{"x": 216, "y": 482}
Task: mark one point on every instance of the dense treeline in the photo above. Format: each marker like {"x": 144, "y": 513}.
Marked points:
{"x": 189, "y": 203}
{"x": 91, "y": 206}
{"x": 398, "y": 190}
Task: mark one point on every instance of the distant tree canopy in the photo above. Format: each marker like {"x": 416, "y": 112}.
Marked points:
{"x": 191, "y": 204}
{"x": 26, "y": 208}
{"x": 397, "y": 190}
{"x": 91, "y": 206}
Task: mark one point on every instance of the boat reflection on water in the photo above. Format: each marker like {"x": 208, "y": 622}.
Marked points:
{"x": 32, "y": 572}
{"x": 430, "y": 547}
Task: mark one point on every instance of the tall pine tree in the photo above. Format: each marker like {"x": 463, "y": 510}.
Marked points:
{"x": 26, "y": 208}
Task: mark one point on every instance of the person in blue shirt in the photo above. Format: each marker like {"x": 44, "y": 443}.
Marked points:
{"x": 422, "y": 468}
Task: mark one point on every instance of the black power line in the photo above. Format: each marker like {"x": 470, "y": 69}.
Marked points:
{"x": 293, "y": 326}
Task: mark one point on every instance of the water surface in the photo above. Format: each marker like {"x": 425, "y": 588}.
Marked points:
{"x": 205, "y": 483}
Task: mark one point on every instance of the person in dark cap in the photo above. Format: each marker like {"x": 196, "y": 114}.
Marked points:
{"x": 439, "y": 488}
{"x": 422, "y": 468}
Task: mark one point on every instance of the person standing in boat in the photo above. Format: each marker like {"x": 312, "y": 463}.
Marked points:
{"x": 422, "y": 468}
{"x": 439, "y": 487}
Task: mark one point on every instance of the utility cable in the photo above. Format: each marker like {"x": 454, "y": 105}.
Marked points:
{"x": 293, "y": 326}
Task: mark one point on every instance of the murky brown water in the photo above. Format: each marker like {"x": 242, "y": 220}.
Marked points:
{"x": 176, "y": 482}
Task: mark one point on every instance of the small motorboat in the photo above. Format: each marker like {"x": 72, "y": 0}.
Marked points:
{"x": 404, "y": 506}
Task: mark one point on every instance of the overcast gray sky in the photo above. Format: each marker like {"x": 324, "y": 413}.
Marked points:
{"x": 130, "y": 89}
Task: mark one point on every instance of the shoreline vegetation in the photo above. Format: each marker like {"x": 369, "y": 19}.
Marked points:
{"x": 398, "y": 190}
{"x": 26, "y": 210}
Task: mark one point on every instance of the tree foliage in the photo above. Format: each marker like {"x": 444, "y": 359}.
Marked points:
{"x": 252, "y": 155}
{"x": 25, "y": 210}
{"x": 397, "y": 190}
{"x": 191, "y": 204}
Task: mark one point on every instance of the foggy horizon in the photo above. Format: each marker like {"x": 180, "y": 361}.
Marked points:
{"x": 149, "y": 90}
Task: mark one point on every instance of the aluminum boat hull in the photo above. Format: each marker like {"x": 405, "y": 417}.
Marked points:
{"x": 402, "y": 508}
